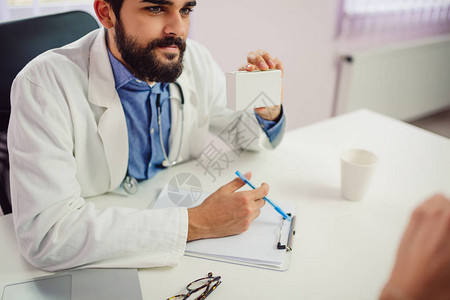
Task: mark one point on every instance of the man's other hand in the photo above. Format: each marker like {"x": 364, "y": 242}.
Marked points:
{"x": 263, "y": 61}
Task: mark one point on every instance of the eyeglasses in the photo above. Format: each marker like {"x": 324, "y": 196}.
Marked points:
{"x": 200, "y": 288}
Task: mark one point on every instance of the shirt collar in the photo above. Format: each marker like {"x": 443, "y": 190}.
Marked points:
{"x": 122, "y": 76}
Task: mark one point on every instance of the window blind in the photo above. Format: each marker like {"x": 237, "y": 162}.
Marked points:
{"x": 383, "y": 19}
{"x": 361, "y": 7}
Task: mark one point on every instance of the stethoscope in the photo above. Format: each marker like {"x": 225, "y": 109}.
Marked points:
{"x": 130, "y": 184}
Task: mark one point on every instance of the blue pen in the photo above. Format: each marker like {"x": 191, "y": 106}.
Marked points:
{"x": 277, "y": 208}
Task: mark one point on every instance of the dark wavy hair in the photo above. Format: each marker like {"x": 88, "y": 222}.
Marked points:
{"x": 116, "y": 5}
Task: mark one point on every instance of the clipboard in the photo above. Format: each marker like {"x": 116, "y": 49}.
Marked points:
{"x": 266, "y": 244}
{"x": 283, "y": 244}
{"x": 286, "y": 244}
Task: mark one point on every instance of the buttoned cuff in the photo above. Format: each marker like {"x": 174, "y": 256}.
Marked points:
{"x": 272, "y": 128}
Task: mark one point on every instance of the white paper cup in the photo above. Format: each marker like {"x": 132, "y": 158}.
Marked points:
{"x": 357, "y": 168}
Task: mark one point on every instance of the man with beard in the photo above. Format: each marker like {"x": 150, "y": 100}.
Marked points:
{"x": 84, "y": 117}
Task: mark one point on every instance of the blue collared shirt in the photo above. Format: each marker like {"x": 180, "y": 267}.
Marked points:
{"x": 139, "y": 104}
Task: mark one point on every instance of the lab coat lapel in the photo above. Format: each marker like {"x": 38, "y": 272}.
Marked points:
{"x": 108, "y": 111}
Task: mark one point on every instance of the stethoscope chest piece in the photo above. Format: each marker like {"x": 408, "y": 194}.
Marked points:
{"x": 130, "y": 185}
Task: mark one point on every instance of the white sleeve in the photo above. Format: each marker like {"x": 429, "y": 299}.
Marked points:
{"x": 55, "y": 227}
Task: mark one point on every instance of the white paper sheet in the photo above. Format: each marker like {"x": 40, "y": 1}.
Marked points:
{"x": 258, "y": 245}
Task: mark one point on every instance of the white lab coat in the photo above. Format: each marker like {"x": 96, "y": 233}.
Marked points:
{"x": 68, "y": 140}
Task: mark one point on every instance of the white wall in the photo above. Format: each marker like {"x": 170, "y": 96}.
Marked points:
{"x": 303, "y": 34}
{"x": 299, "y": 32}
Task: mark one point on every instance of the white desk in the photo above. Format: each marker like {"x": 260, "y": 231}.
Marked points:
{"x": 342, "y": 250}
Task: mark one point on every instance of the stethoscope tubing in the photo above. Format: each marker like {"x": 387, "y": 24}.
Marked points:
{"x": 130, "y": 184}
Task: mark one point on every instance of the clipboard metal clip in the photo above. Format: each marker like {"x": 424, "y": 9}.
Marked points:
{"x": 288, "y": 245}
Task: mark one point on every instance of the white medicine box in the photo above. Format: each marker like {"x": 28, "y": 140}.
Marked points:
{"x": 247, "y": 90}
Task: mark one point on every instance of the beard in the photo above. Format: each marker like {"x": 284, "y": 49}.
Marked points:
{"x": 143, "y": 62}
